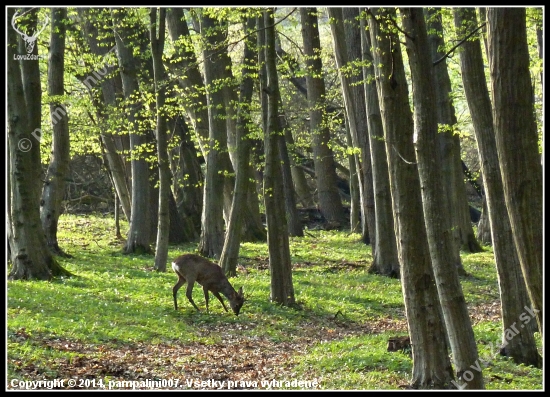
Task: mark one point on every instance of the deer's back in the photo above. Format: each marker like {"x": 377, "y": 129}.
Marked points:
{"x": 203, "y": 270}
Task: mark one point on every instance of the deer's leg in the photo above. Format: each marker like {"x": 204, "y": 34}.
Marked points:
{"x": 178, "y": 285}
{"x": 206, "y": 297}
{"x": 217, "y": 295}
{"x": 189, "y": 294}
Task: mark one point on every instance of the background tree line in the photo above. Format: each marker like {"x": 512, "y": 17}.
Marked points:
{"x": 217, "y": 125}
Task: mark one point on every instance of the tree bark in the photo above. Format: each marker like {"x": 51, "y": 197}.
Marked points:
{"x": 212, "y": 236}
{"x": 513, "y": 293}
{"x": 187, "y": 181}
{"x": 518, "y": 153}
{"x": 29, "y": 254}
{"x": 330, "y": 203}
{"x": 451, "y": 297}
{"x": 157, "y": 35}
{"x": 233, "y": 235}
{"x": 107, "y": 83}
{"x": 347, "y": 48}
{"x": 386, "y": 259}
{"x": 484, "y": 224}
{"x": 282, "y": 289}
{"x": 431, "y": 364}
{"x": 54, "y": 186}
{"x": 453, "y": 179}
{"x": 139, "y": 235}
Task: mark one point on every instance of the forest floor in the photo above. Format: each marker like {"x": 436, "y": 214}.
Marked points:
{"x": 113, "y": 325}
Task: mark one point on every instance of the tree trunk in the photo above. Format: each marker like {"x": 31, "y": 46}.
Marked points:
{"x": 107, "y": 87}
{"x": 386, "y": 260}
{"x": 354, "y": 189}
{"x": 302, "y": 190}
{"x": 157, "y": 48}
{"x": 185, "y": 65}
{"x": 212, "y": 236}
{"x": 139, "y": 235}
{"x": 282, "y": 289}
{"x": 513, "y": 293}
{"x": 484, "y": 224}
{"x": 54, "y": 186}
{"x": 294, "y": 222}
{"x": 293, "y": 177}
{"x": 230, "y": 253}
{"x": 330, "y": 203}
{"x": 187, "y": 185}
{"x": 453, "y": 180}
{"x": 29, "y": 254}
{"x": 455, "y": 311}
{"x": 431, "y": 364}
{"x": 347, "y": 48}
{"x": 518, "y": 153}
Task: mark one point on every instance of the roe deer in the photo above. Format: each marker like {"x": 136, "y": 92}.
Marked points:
{"x": 191, "y": 268}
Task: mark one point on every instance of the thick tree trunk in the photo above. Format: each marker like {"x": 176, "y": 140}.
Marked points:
{"x": 431, "y": 364}
{"x": 29, "y": 254}
{"x": 518, "y": 153}
{"x": 513, "y": 292}
{"x": 455, "y": 311}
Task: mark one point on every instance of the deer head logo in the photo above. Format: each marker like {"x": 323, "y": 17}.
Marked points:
{"x": 29, "y": 40}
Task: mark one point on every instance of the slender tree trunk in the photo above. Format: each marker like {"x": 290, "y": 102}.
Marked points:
{"x": 294, "y": 223}
{"x": 139, "y": 235}
{"x": 431, "y": 363}
{"x": 484, "y": 224}
{"x": 453, "y": 180}
{"x": 455, "y": 311}
{"x": 282, "y": 289}
{"x": 301, "y": 188}
{"x": 187, "y": 184}
{"x": 518, "y": 153}
{"x": 330, "y": 203}
{"x": 157, "y": 34}
{"x": 230, "y": 253}
{"x": 347, "y": 48}
{"x": 108, "y": 88}
{"x": 385, "y": 254}
{"x": 354, "y": 189}
{"x": 54, "y": 186}
{"x": 186, "y": 65}
{"x": 212, "y": 236}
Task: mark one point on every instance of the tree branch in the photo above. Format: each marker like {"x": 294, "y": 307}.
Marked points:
{"x": 459, "y": 43}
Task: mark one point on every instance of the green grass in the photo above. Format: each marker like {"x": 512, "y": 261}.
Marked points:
{"x": 337, "y": 334}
